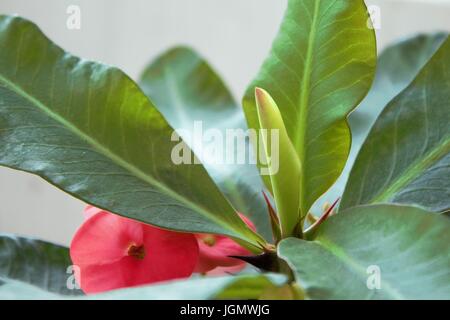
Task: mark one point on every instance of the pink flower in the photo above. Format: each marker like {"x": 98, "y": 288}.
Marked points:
{"x": 113, "y": 252}
{"x": 215, "y": 252}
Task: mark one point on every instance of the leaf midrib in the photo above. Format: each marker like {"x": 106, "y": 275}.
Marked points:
{"x": 413, "y": 172}
{"x": 111, "y": 155}
{"x": 299, "y": 141}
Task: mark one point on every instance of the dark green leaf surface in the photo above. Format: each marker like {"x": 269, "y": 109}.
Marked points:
{"x": 186, "y": 90}
{"x": 42, "y": 264}
{"x": 321, "y": 66}
{"x": 243, "y": 287}
{"x": 89, "y": 130}
{"x": 410, "y": 247}
{"x": 397, "y": 67}
{"x": 405, "y": 158}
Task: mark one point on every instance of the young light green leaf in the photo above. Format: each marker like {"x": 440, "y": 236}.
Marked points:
{"x": 191, "y": 96}
{"x": 397, "y": 67}
{"x": 374, "y": 252}
{"x": 283, "y": 165}
{"x": 251, "y": 287}
{"x": 321, "y": 66}
{"x": 406, "y": 157}
{"x": 42, "y": 264}
{"x": 89, "y": 130}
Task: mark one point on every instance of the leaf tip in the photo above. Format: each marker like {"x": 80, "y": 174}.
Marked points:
{"x": 266, "y": 107}
{"x": 259, "y": 92}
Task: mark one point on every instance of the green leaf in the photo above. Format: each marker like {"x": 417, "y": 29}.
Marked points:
{"x": 397, "y": 67}
{"x": 42, "y": 264}
{"x": 89, "y": 130}
{"x": 283, "y": 164}
{"x": 186, "y": 90}
{"x": 408, "y": 246}
{"x": 250, "y": 287}
{"x": 16, "y": 290}
{"x": 321, "y": 66}
{"x": 405, "y": 158}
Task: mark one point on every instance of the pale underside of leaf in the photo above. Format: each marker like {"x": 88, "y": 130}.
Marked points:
{"x": 229, "y": 287}
{"x": 408, "y": 247}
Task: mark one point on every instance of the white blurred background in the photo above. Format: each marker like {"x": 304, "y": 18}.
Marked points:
{"x": 234, "y": 35}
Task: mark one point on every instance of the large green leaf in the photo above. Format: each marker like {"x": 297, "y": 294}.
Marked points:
{"x": 187, "y": 91}
{"x": 237, "y": 287}
{"x": 408, "y": 246}
{"x": 42, "y": 264}
{"x": 405, "y": 158}
{"x": 321, "y": 66}
{"x": 397, "y": 67}
{"x": 88, "y": 129}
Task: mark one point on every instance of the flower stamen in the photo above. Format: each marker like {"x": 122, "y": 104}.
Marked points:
{"x": 210, "y": 240}
{"x": 137, "y": 252}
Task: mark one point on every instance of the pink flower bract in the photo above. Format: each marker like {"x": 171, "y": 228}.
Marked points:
{"x": 114, "y": 252}
{"x": 215, "y": 252}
